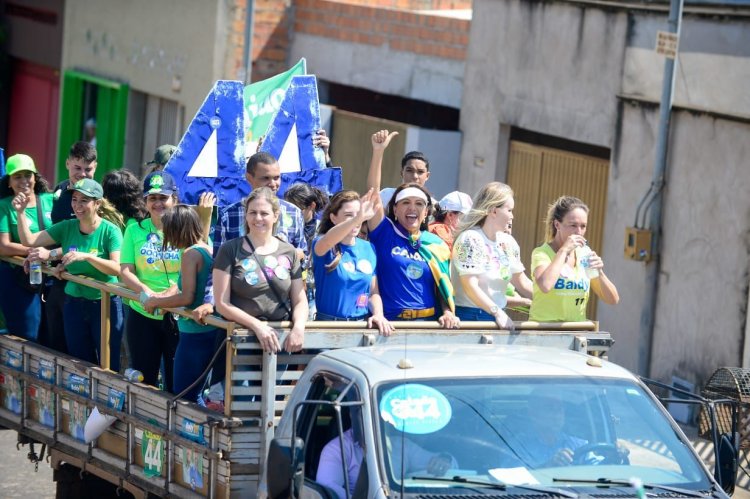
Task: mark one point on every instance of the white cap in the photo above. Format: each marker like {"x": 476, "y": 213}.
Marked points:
{"x": 456, "y": 201}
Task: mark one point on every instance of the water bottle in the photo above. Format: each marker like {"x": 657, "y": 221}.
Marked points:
{"x": 311, "y": 295}
{"x": 133, "y": 375}
{"x": 35, "y": 272}
{"x": 585, "y": 254}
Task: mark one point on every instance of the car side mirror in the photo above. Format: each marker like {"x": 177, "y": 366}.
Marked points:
{"x": 285, "y": 470}
{"x": 726, "y": 469}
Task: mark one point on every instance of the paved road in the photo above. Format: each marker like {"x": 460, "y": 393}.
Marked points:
{"x": 18, "y": 477}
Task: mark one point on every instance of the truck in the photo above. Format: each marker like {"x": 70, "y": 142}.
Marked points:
{"x": 465, "y": 395}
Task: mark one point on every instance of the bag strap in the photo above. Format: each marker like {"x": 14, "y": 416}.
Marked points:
{"x": 270, "y": 281}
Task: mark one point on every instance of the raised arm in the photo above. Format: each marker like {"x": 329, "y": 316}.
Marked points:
{"x": 205, "y": 210}
{"x": 41, "y": 238}
{"x": 546, "y": 275}
{"x": 379, "y": 141}
{"x": 339, "y": 232}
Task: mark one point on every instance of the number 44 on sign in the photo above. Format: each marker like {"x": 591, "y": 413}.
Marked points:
{"x": 152, "y": 448}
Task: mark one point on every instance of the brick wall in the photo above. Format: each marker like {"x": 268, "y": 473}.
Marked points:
{"x": 372, "y": 22}
{"x": 402, "y": 30}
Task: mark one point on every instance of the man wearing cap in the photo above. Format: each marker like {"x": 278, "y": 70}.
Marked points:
{"x": 263, "y": 170}
{"x": 162, "y": 155}
{"x": 450, "y": 208}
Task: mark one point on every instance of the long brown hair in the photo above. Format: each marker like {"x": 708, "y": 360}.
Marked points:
{"x": 181, "y": 226}
{"x": 333, "y": 208}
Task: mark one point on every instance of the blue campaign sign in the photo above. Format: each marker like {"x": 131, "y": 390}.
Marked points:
{"x": 211, "y": 154}
{"x": 415, "y": 408}
{"x": 2, "y": 162}
{"x": 294, "y": 125}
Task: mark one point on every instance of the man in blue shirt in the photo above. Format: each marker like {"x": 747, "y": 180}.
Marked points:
{"x": 262, "y": 171}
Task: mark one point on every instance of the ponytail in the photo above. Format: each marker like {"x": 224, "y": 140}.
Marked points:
{"x": 108, "y": 212}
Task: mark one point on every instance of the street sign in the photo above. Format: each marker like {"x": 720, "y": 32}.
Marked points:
{"x": 666, "y": 44}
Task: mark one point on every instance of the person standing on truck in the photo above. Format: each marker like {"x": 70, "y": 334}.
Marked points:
{"x": 91, "y": 244}
{"x": 345, "y": 265}
{"x": 80, "y": 163}
{"x": 565, "y": 269}
{"x": 485, "y": 258}
{"x": 414, "y": 263}
{"x": 198, "y": 341}
{"x": 20, "y": 302}
{"x": 258, "y": 277}
{"x": 449, "y": 211}
{"x": 149, "y": 268}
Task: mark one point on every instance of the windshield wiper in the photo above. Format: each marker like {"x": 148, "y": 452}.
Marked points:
{"x": 497, "y": 485}
{"x": 627, "y": 483}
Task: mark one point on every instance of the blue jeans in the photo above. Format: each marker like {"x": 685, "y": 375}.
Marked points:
{"x": 194, "y": 352}
{"x": 82, "y": 324}
{"x": 473, "y": 314}
{"x": 21, "y": 309}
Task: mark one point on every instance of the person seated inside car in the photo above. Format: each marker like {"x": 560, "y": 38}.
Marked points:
{"x": 416, "y": 459}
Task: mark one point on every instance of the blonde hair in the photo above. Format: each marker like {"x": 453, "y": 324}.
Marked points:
{"x": 108, "y": 212}
{"x": 557, "y": 211}
{"x": 492, "y": 195}
{"x": 268, "y": 195}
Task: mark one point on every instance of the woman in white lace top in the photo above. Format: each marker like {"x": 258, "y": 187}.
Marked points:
{"x": 485, "y": 258}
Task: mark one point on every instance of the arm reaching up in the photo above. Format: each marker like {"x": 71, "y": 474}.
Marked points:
{"x": 379, "y": 141}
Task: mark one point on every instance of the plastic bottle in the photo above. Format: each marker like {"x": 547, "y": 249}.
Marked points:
{"x": 311, "y": 294}
{"x": 133, "y": 375}
{"x": 35, "y": 272}
{"x": 585, "y": 254}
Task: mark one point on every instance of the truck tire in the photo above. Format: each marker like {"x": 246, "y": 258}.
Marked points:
{"x": 70, "y": 485}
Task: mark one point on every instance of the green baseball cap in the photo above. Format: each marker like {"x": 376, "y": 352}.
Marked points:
{"x": 19, "y": 163}
{"x": 162, "y": 154}
{"x": 89, "y": 187}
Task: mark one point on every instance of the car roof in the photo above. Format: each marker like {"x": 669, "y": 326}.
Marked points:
{"x": 381, "y": 363}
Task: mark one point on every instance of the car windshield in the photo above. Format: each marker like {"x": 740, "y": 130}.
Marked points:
{"x": 533, "y": 431}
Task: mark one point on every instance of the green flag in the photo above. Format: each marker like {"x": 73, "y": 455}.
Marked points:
{"x": 262, "y": 99}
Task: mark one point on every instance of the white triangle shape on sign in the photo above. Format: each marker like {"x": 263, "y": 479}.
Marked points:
{"x": 289, "y": 158}
{"x": 207, "y": 162}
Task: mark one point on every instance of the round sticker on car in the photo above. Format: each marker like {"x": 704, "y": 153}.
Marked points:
{"x": 415, "y": 408}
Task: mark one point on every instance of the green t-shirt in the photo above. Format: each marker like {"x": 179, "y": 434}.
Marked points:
{"x": 9, "y": 217}
{"x": 567, "y": 300}
{"x": 102, "y": 242}
{"x": 157, "y": 269}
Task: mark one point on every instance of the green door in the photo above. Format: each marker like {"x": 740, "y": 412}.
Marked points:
{"x": 85, "y": 96}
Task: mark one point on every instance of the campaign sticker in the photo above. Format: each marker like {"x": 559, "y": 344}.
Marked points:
{"x": 78, "y": 384}
{"x": 285, "y": 262}
{"x": 215, "y": 122}
{"x": 270, "y": 261}
{"x": 362, "y": 300}
{"x": 46, "y": 370}
{"x": 364, "y": 266}
{"x": 251, "y": 278}
{"x": 13, "y": 359}
{"x": 192, "y": 468}
{"x": 115, "y": 399}
{"x": 414, "y": 271}
{"x": 415, "y": 408}
{"x": 348, "y": 266}
{"x": 192, "y": 430}
{"x": 281, "y": 273}
{"x": 248, "y": 264}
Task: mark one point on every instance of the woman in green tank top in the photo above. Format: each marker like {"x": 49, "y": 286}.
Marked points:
{"x": 198, "y": 341}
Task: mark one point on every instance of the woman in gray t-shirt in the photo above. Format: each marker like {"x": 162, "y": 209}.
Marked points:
{"x": 259, "y": 277}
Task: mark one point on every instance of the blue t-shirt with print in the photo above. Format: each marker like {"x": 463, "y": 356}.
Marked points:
{"x": 404, "y": 278}
{"x": 344, "y": 291}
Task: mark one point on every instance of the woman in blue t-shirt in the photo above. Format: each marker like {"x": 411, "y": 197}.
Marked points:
{"x": 344, "y": 265}
{"x": 414, "y": 263}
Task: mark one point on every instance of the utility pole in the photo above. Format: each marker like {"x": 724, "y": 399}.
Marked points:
{"x": 653, "y": 268}
{"x": 247, "y": 52}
